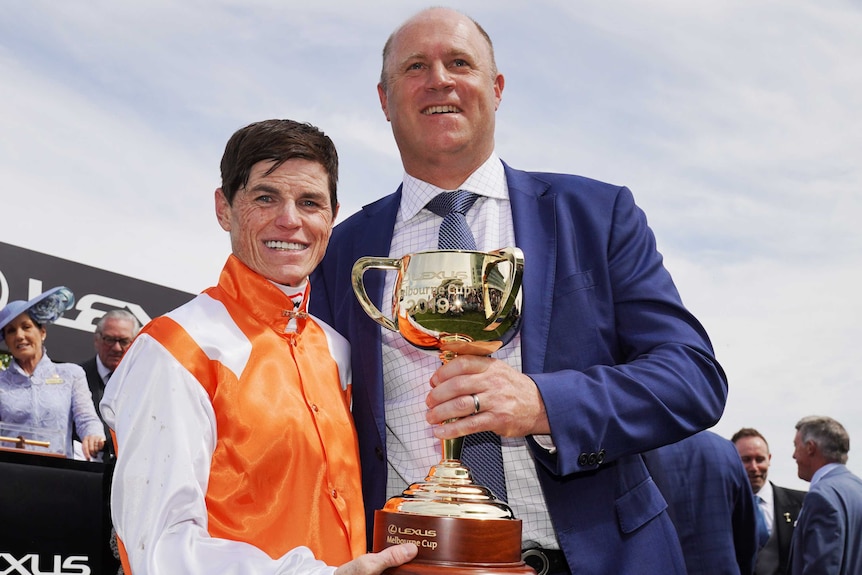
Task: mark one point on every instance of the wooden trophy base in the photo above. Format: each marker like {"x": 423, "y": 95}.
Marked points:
{"x": 453, "y": 545}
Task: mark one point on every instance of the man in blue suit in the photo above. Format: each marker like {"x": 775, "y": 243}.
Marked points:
{"x": 608, "y": 363}
{"x": 710, "y": 503}
{"x": 829, "y": 529}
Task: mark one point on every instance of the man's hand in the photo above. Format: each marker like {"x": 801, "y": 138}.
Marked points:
{"x": 376, "y": 563}
{"x": 509, "y": 402}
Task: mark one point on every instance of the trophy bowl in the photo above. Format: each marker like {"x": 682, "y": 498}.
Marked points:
{"x": 460, "y": 302}
{"x": 457, "y": 302}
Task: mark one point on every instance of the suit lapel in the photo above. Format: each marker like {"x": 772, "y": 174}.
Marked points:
{"x": 94, "y": 380}
{"x": 374, "y": 240}
{"x": 784, "y": 509}
{"x": 534, "y": 218}
{"x": 782, "y": 528}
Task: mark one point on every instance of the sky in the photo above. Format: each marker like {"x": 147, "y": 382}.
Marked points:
{"x": 735, "y": 123}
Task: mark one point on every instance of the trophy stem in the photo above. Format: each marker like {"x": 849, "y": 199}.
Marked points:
{"x": 452, "y": 448}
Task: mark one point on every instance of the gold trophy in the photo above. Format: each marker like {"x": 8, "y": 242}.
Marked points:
{"x": 457, "y": 302}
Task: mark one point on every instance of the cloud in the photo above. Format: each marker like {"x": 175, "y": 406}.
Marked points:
{"x": 735, "y": 124}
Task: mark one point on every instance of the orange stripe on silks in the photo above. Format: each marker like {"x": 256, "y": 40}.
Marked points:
{"x": 186, "y": 351}
{"x": 124, "y": 558}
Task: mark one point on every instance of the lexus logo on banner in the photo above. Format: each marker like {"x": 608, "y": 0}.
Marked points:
{"x": 25, "y": 274}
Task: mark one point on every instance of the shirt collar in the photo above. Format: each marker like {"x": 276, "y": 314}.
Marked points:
{"x": 269, "y": 302}
{"x": 299, "y": 296}
{"x": 488, "y": 180}
{"x": 766, "y": 493}
{"x": 102, "y": 368}
{"x": 820, "y": 473}
{"x": 13, "y": 365}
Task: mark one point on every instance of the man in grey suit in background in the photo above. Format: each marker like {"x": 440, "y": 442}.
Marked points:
{"x": 780, "y": 505}
{"x": 828, "y": 532}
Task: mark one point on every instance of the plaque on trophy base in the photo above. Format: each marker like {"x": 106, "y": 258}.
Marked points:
{"x": 458, "y": 526}
{"x": 453, "y": 544}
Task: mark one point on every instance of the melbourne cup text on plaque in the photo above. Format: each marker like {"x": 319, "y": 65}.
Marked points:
{"x": 456, "y": 302}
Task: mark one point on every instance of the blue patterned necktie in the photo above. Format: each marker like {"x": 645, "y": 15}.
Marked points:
{"x": 454, "y": 233}
{"x": 481, "y": 452}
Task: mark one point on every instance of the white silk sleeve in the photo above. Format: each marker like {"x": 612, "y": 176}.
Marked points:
{"x": 166, "y": 434}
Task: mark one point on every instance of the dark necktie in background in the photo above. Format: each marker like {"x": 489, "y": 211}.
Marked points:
{"x": 481, "y": 453}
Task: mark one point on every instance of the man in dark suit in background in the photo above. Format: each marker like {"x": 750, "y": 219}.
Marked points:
{"x": 828, "y": 534}
{"x": 780, "y": 505}
{"x": 114, "y": 334}
{"x": 709, "y": 501}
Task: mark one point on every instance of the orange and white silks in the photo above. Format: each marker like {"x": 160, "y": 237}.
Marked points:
{"x": 236, "y": 449}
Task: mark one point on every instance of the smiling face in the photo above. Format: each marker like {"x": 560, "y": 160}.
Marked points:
{"x": 441, "y": 93}
{"x": 755, "y": 458}
{"x": 280, "y": 222}
{"x": 24, "y": 339}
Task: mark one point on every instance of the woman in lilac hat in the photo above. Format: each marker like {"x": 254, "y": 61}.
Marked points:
{"x": 34, "y": 390}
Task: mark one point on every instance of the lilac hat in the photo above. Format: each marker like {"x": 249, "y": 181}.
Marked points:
{"x": 44, "y": 308}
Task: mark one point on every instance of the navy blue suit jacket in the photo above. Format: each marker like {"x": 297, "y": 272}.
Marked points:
{"x": 711, "y": 503}
{"x": 621, "y": 365}
{"x": 828, "y": 533}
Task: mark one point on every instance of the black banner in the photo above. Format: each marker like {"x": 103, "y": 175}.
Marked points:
{"x": 54, "y": 516}
{"x": 25, "y": 274}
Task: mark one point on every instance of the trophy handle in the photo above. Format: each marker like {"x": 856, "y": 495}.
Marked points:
{"x": 359, "y": 268}
{"x": 515, "y": 257}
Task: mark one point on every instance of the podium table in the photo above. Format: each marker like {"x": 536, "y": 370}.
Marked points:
{"x": 54, "y": 515}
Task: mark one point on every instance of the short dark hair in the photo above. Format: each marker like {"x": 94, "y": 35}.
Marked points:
{"x": 749, "y": 432}
{"x": 277, "y": 141}
{"x": 829, "y": 435}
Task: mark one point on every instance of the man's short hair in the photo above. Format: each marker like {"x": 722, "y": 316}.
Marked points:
{"x": 276, "y": 141}
{"x": 749, "y": 432}
{"x": 120, "y": 314}
{"x": 829, "y": 436}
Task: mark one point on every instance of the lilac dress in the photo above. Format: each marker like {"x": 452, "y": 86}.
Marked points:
{"x": 52, "y": 398}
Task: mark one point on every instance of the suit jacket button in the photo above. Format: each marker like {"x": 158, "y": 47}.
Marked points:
{"x": 582, "y": 460}
{"x": 600, "y": 459}
{"x": 593, "y": 458}
{"x": 378, "y": 451}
